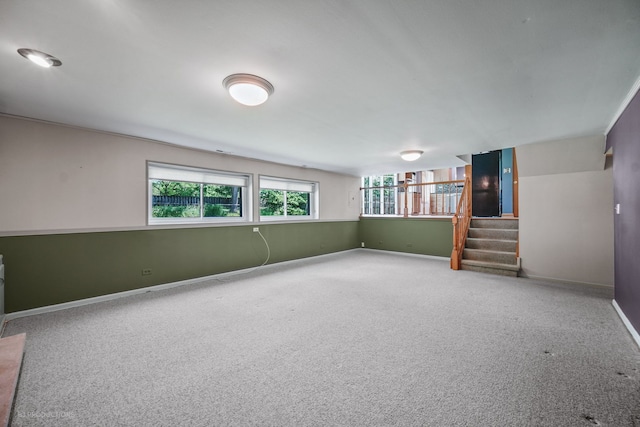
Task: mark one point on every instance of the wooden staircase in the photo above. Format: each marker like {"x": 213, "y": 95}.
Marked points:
{"x": 492, "y": 247}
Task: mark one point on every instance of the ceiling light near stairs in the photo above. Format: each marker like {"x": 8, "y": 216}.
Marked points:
{"x": 411, "y": 155}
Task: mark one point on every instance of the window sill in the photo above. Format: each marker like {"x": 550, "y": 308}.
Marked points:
{"x": 185, "y": 221}
{"x": 286, "y": 218}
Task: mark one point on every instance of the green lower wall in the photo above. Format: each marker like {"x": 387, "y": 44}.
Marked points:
{"x": 425, "y": 236}
{"x": 43, "y": 270}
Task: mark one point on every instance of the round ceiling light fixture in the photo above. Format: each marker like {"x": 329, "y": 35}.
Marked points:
{"x": 40, "y": 58}
{"x": 411, "y": 155}
{"x": 248, "y": 89}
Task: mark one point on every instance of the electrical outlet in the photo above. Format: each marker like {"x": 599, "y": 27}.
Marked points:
{"x": 256, "y": 229}
{"x": 146, "y": 271}
{"x": 362, "y": 244}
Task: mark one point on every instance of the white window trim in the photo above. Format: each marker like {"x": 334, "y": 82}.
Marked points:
{"x": 171, "y": 172}
{"x": 294, "y": 185}
{"x": 369, "y": 191}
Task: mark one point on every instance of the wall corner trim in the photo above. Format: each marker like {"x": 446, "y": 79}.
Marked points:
{"x": 627, "y": 323}
{"x": 625, "y": 103}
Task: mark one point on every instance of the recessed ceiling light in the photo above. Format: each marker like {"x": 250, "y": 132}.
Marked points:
{"x": 411, "y": 155}
{"x": 40, "y": 58}
{"x": 248, "y": 89}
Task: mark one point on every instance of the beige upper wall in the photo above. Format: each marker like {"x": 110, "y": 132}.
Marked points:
{"x": 62, "y": 178}
{"x": 566, "y": 219}
{"x": 561, "y": 156}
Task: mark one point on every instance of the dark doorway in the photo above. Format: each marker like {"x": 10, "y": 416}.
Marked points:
{"x": 485, "y": 183}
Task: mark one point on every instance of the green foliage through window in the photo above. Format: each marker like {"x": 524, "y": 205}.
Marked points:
{"x": 175, "y": 199}
{"x": 275, "y": 202}
{"x": 379, "y": 200}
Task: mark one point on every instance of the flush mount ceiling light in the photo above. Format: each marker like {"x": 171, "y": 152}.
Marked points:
{"x": 248, "y": 89}
{"x": 40, "y": 58}
{"x": 411, "y": 155}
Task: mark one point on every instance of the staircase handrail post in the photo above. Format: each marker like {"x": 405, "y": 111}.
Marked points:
{"x": 406, "y": 198}
{"x": 454, "y": 252}
{"x": 461, "y": 228}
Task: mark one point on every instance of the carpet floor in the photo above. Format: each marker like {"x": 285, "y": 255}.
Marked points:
{"x": 358, "y": 338}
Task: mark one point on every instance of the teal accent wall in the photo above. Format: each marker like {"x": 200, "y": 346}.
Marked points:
{"x": 43, "y": 270}
{"x": 425, "y": 236}
{"x": 507, "y": 181}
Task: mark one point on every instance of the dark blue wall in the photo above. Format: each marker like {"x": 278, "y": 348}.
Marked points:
{"x": 624, "y": 138}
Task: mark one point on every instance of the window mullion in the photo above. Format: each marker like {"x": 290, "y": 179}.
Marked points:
{"x": 284, "y": 200}
{"x": 201, "y": 200}
{"x": 382, "y": 191}
{"x": 395, "y": 194}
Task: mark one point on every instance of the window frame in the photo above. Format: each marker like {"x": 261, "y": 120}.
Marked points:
{"x": 386, "y": 193}
{"x": 173, "y": 172}
{"x": 293, "y": 186}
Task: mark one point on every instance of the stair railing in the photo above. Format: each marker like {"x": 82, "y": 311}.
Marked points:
{"x": 412, "y": 199}
{"x": 461, "y": 220}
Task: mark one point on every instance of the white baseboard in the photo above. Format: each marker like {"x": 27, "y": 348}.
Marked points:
{"x": 626, "y": 322}
{"x": 526, "y": 275}
{"x": 124, "y": 294}
{"x": 109, "y": 297}
{"x": 434, "y": 257}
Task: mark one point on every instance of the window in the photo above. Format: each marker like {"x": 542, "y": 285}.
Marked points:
{"x": 287, "y": 199}
{"x": 187, "y": 194}
{"x": 377, "y": 200}
{"x": 428, "y": 192}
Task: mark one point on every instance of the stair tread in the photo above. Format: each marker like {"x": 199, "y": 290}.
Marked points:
{"x": 499, "y": 229}
{"x": 492, "y": 240}
{"x": 490, "y": 250}
{"x": 513, "y": 267}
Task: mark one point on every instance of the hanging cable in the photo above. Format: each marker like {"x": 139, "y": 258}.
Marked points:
{"x": 268, "y": 249}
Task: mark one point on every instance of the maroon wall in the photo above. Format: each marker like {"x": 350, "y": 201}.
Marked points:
{"x": 624, "y": 138}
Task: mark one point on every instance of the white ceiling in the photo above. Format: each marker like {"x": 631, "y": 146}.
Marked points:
{"x": 356, "y": 82}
